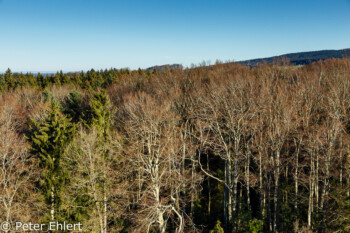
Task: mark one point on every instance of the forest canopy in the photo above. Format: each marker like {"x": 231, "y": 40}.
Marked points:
{"x": 220, "y": 148}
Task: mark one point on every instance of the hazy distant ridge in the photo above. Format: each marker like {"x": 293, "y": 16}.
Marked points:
{"x": 302, "y": 58}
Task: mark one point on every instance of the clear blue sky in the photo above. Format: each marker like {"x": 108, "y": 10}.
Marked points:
{"x": 73, "y": 35}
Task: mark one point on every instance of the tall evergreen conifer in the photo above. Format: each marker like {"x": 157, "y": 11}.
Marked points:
{"x": 99, "y": 114}
{"x": 48, "y": 141}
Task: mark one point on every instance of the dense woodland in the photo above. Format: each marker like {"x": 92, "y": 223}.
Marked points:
{"x": 221, "y": 148}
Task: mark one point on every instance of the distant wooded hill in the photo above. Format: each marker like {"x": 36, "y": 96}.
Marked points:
{"x": 302, "y": 58}
{"x": 163, "y": 68}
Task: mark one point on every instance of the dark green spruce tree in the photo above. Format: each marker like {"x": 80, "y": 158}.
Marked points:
{"x": 73, "y": 107}
{"x": 99, "y": 114}
{"x": 10, "y": 82}
{"x": 48, "y": 141}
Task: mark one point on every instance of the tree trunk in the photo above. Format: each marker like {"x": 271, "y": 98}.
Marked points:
{"x": 228, "y": 196}
{"x": 192, "y": 188}
{"x": 139, "y": 185}
{"x": 234, "y": 194}
{"x": 98, "y": 207}
{"x": 52, "y": 203}
{"x": 261, "y": 189}
{"x": 276, "y": 192}
{"x": 311, "y": 190}
{"x": 209, "y": 189}
{"x": 248, "y": 181}
{"x": 161, "y": 222}
{"x": 296, "y": 184}
{"x": 325, "y": 192}
{"x": 317, "y": 191}
{"x": 269, "y": 214}
{"x": 105, "y": 211}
